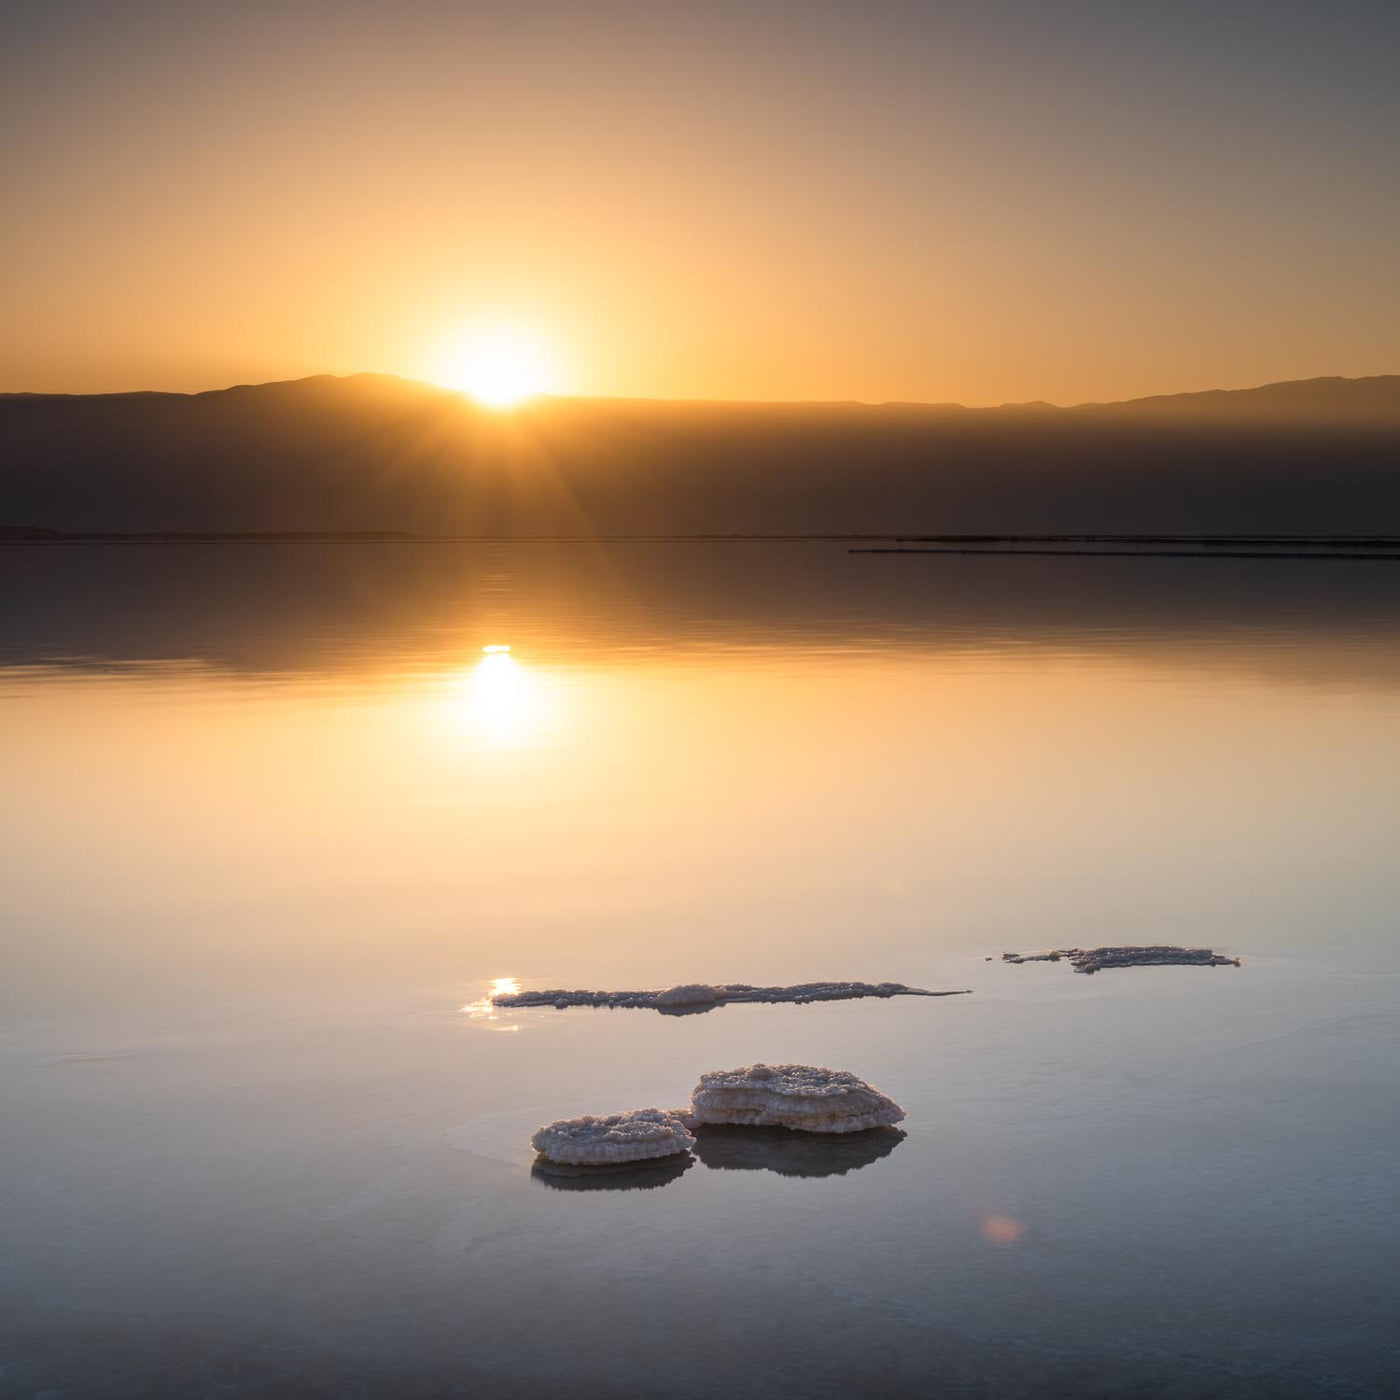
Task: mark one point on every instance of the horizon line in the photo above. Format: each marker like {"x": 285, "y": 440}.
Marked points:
{"x": 537, "y": 399}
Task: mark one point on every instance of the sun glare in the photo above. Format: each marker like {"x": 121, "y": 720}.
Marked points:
{"x": 500, "y": 367}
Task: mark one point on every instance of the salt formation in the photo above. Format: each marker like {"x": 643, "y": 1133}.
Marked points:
{"x": 1096, "y": 959}
{"x": 803, "y": 1097}
{"x": 635, "y": 1136}
{"x": 698, "y": 996}
{"x": 694, "y": 997}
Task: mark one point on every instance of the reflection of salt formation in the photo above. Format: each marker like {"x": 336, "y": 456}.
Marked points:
{"x": 804, "y": 1097}
{"x": 625, "y": 1176}
{"x": 694, "y": 997}
{"x": 635, "y": 1136}
{"x": 730, "y": 1148}
{"x": 1096, "y": 959}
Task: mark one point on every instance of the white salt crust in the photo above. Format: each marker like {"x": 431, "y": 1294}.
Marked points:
{"x": 635, "y": 1136}
{"x": 804, "y": 1097}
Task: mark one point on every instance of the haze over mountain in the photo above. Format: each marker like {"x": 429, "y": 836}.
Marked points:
{"x": 373, "y": 452}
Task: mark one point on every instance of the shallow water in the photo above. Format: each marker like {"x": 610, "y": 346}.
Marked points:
{"x": 276, "y": 818}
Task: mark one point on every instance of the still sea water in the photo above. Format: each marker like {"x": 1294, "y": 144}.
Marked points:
{"x": 275, "y": 819}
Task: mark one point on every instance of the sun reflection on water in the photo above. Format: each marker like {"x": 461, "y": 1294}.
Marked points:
{"x": 483, "y": 1008}
{"x": 504, "y": 699}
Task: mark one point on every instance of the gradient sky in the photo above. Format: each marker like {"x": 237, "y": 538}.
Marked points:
{"x": 1001, "y": 200}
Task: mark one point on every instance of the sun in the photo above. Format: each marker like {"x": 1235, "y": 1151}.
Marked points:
{"x": 499, "y": 367}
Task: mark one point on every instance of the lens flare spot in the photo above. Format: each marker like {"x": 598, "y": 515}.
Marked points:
{"x": 1002, "y": 1230}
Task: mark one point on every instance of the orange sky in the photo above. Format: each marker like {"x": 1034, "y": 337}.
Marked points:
{"x": 1006, "y": 201}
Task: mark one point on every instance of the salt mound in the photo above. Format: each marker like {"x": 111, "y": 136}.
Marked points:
{"x": 635, "y": 1136}
{"x": 804, "y": 1097}
{"x": 691, "y": 997}
{"x": 1093, "y": 960}
{"x": 689, "y": 994}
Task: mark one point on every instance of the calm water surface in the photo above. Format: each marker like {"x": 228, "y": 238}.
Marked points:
{"x": 275, "y": 819}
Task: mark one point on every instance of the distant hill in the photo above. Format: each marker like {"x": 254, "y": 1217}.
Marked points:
{"x": 377, "y": 453}
{"x": 1333, "y": 400}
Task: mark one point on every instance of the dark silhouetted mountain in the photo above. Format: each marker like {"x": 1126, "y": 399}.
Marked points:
{"x": 375, "y": 453}
{"x": 1333, "y": 400}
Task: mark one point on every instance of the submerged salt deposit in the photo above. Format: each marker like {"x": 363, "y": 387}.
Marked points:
{"x": 691, "y": 997}
{"x": 635, "y": 1136}
{"x": 804, "y": 1097}
{"x": 1156, "y": 955}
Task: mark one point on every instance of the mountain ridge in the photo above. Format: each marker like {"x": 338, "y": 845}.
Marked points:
{"x": 379, "y": 453}
{"x": 1374, "y": 388}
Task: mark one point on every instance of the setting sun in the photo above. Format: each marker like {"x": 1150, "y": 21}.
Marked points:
{"x": 499, "y": 367}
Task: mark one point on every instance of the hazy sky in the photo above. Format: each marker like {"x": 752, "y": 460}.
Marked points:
{"x": 986, "y": 201}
